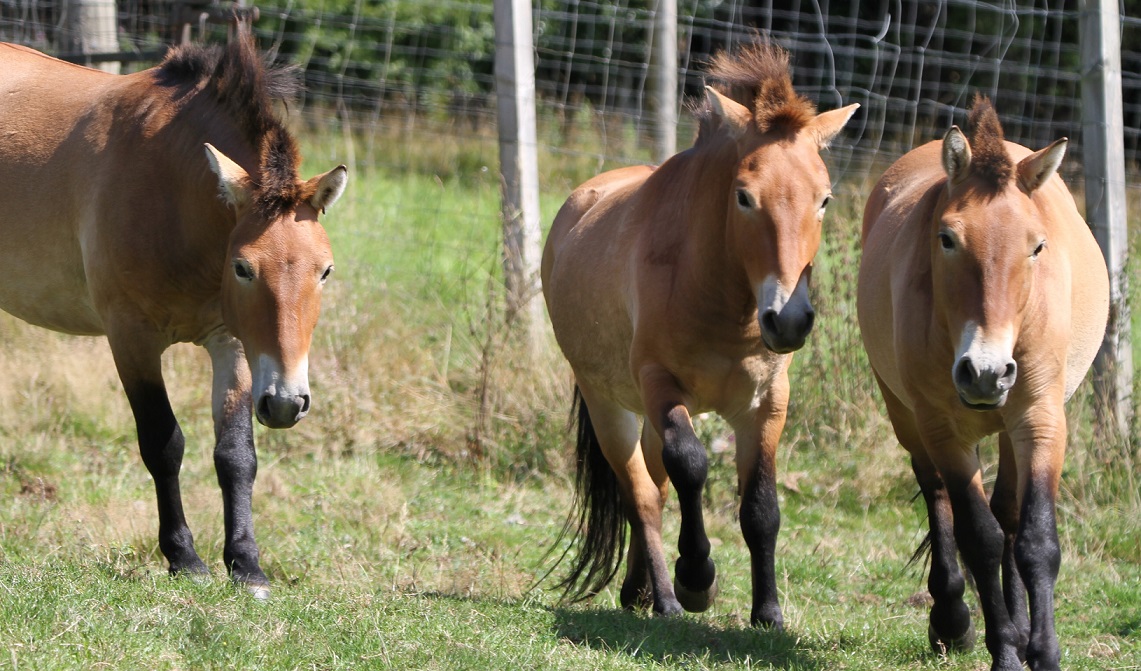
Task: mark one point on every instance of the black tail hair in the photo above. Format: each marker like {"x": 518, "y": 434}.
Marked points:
{"x": 922, "y": 553}
{"x": 597, "y": 516}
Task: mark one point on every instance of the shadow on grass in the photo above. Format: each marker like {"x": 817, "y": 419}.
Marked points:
{"x": 666, "y": 639}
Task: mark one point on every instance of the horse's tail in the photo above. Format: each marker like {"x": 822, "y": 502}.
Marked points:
{"x": 600, "y": 522}
{"x": 922, "y": 553}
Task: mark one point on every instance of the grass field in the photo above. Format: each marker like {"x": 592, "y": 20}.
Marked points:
{"x": 404, "y": 527}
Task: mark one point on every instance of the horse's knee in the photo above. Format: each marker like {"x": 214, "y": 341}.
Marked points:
{"x": 684, "y": 458}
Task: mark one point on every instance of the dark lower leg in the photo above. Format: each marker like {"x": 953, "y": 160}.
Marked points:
{"x": 1038, "y": 556}
{"x": 980, "y": 540}
{"x": 950, "y": 617}
{"x": 760, "y": 523}
{"x": 637, "y": 590}
{"x": 235, "y": 462}
{"x": 161, "y": 445}
{"x": 1004, "y": 505}
{"x": 686, "y": 464}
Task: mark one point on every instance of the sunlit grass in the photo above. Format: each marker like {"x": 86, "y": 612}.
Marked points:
{"x": 391, "y": 545}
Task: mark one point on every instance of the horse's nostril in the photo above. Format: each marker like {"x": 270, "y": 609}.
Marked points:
{"x": 1008, "y": 376}
{"x": 769, "y": 321}
{"x": 965, "y": 373}
{"x": 809, "y": 320}
{"x": 263, "y": 406}
{"x": 304, "y": 403}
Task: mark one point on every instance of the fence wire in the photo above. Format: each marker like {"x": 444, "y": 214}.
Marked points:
{"x": 428, "y": 67}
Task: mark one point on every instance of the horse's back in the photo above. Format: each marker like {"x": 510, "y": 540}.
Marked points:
{"x": 892, "y": 258}
{"x": 53, "y": 134}
{"x": 585, "y": 273}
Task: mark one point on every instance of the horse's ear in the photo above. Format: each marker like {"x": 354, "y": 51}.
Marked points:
{"x": 327, "y": 188}
{"x": 233, "y": 181}
{"x": 1035, "y": 169}
{"x": 828, "y": 125}
{"x": 956, "y": 155}
{"x": 732, "y": 114}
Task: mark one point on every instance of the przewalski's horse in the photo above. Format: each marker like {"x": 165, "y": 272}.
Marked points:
{"x": 982, "y": 301}
{"x": 680, "y": 290}
{"x": 164, "y": 207}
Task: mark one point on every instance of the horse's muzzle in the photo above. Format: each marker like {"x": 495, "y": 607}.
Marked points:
{"x": 282, "y": 412}
{"x": 984, "y": 388}
{"x": 786, "y": 331}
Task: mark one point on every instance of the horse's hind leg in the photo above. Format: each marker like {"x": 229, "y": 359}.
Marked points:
{"x": 687, "y": 465}
{"x": 950, "y": 626}
{"x": 617, "y": 433}
{"x": 235, "y": 460}
{"x": 160, "y": 442}
{"x": 637, "y": 588}
{"x": 1004, "y": 504}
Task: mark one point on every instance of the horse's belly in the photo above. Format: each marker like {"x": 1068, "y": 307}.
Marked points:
{"x": 44, "y": 279}
{"x": 74, "y": 315}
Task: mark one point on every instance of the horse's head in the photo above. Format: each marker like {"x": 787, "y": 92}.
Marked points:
{"x": 277, "y": 262}
{"x": 776, "y": 205}
{"x": 988, "y": 243}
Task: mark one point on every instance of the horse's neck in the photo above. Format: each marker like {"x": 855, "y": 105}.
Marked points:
{"x": 695, "y": 198}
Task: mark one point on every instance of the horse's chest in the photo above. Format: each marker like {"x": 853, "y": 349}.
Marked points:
{"x": 725, "y": 380}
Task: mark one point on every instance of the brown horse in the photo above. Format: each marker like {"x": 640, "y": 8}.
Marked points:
{"x": 982, "y": 301}
{"x": 164, "y": 207}
{"x": 680, "y": 290}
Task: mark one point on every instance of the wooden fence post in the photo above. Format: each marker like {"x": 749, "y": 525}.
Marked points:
{"x": 1103, "y": 154}
{"x": 92, "y": 27}
{"x": 518, "y": 165}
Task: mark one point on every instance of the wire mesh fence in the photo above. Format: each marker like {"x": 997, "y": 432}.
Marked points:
{"x": 428, "y": 67}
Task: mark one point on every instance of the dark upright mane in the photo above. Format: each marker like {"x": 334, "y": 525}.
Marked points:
{"x": 245, "y": 88}
{"x": 989, "y": 157}
{"x": 757, "y": 76}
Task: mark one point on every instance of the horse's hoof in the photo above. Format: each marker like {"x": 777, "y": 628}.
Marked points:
{"x": 769, "y": 619}
{"x": 259, "y": 592}
{"x": 668, "y": 609}
{"x": 695, "y": 602}
{"x": 962, "y": 643}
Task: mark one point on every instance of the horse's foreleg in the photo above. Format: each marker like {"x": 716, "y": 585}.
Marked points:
{"x": 161, "y": 443}
{"x": 1039, "y": 448}
{"x": 757, "y": 435}
{"x": 235, "y": 460}
{"x": 949, "y": 627}
{"x": 687, "y": 465}
{"x": 1004, "y": 502}
{"x": 979, "y": 537}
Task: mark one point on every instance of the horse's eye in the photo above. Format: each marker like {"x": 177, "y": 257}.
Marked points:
{"x": 1039, "y": 249}
{"x": 325, "y": 275}
{"x": 827, "y": 199}
{"x": 743, "y": 199}
{"x": 946, "y": 241}
{"x": 243, "y": 271}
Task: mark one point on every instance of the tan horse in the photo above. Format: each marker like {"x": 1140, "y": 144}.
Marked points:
{"x": 983, "y": 298}
{"x": 165, "y": 207}
{"x": 680, "y": 290}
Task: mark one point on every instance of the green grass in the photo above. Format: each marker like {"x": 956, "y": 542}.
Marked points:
{"x": 391, "y": 545}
